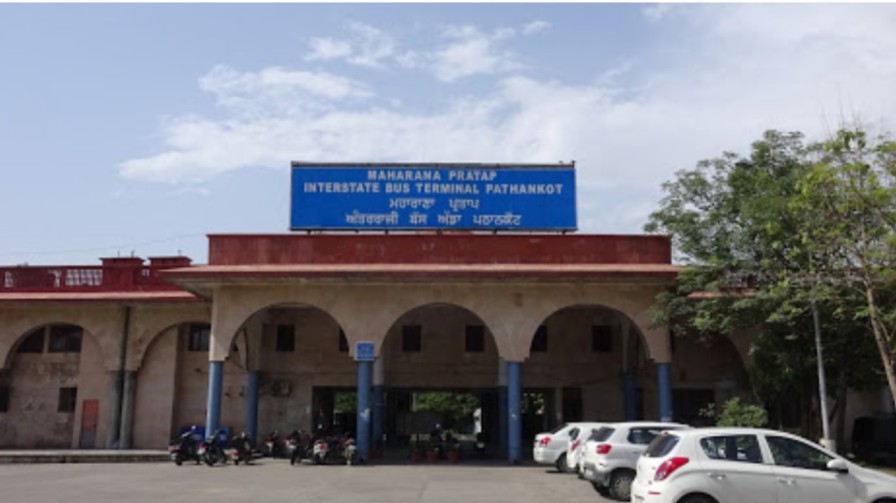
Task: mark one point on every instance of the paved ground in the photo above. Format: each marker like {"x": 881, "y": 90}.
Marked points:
{"x": 273, "y": 481}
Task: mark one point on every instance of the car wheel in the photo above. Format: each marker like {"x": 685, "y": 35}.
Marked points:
{"x": 602, "y": 490}
{"x": 561, "y": 463}
{"x": 697, "y": 498}
{"x": 621, "y": 485}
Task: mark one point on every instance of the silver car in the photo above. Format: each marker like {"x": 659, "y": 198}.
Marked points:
{"x": 611, "y": 455}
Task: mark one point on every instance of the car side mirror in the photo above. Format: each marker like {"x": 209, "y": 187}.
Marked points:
{"x": 838, "y": 465}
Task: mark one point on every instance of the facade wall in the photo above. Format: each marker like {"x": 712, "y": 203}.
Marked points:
{"x": 154, "y": 398}
{"x": 33, "y": 419}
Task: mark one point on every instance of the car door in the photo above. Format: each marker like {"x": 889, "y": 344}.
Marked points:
{"x": 736, "y": 468}
{"x": 802, "y": 476}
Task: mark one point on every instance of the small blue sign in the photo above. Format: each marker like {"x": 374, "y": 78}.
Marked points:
{"x": 365, "y": 352}
{"x": 433, "y": 196}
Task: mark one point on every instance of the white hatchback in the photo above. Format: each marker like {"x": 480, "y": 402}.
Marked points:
{"x": 611, "y": 455}
{"x": 550, "y": 447}
{"x": 747, "y": 465}
{"x": 577, "y": 438}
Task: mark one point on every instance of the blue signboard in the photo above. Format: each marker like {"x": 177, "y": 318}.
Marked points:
{"x": 364, "y": 352}
{"x": 433, "y": 196}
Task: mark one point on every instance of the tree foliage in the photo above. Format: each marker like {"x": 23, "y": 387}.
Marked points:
{"x": 747, "y": 227}
{"x": 737, "y": 414}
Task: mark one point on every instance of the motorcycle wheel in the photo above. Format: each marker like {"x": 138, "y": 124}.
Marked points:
{"x": 178, "y": 461}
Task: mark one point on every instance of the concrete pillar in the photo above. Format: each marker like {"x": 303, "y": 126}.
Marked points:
{"x": 363, "y": 425}
{"x": 379, "y": 402}
{"x": 558, "y": 418}
{"x": 115, "y": 391}
{"x": 252, "y": 404}
{"x": 126, "y": 431}
{"x": 631, "y": 406}
{"x": 502, "y": 406}
{"x": 215, "y": 381}
{"x": 514, "y": 419}
{"x": 664, "y": 388}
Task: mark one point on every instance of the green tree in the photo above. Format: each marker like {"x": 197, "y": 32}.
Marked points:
{"x": 733, "y": 222}
{"x": 848, "y": 205}
{"x": 737, "y": 414}
{"x": 455, "y": 408}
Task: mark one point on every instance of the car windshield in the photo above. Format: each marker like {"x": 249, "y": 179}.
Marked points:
{"x": 661, "y": 445}
{"x": 602, "y": 434}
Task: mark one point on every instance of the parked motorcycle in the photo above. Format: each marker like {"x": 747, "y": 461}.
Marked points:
{"x": 241, "y": 449}
{"x": 273, "y": 446}
{"x": 335, "y": 449}
{"x": 185, "y": 449}
{"x": 211, "y": 451}
{"x": 480, "y": 444}
{"x": 298, "y": 447}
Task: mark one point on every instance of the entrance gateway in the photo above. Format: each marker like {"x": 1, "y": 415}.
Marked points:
{"x": 448, "y": 199}
{"x": 401, "y": 283}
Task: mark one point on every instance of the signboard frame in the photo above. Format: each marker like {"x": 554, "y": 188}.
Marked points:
{"x": 570, "y": 218}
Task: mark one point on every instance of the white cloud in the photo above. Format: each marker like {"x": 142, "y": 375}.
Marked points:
{"x": 367, "y": 46}
{"x": 733, "y": 76}
{"x": 535, "y": 27}
{"x": 656, "y": 12}
{"x": 328, "y": 48}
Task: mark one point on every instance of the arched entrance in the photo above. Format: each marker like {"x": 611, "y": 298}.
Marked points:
{"x": 582, "y": 360}
{"x": 438, "y": 367}
{"x": 50, "y": 389}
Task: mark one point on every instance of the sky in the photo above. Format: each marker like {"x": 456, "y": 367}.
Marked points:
{"x": 139, "y": 129}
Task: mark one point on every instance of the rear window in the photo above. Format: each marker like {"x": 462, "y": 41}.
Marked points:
{"x": 661, "y": 445}
{"x": 602, "y": 434}
{"x": 559, "y": 429}
{"x": 574, "y": 433}
{"x": 643, "y": 436}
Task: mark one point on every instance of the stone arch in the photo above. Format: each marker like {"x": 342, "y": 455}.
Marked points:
{"x": 633, "y": 304}
{"x": 22, "y": 330}
{"x": 234, "y": 307}
{"x": 148, "y": 324}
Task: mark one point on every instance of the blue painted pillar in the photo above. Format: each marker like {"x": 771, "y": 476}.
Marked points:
{"x": 502, "y": 419}
{"x": 213, "y": 414}
{"x": 252, "y": 404}
{"x": 664, "y": 386}
{"x": 631, "y": 407}
{"x": 514, "y": 421}
{"x": 363, "y": 426}
{"x": 379, "y": 411}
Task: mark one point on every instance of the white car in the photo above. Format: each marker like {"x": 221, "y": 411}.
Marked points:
{"x": 550, "y": 447}
{"x": 611, "y": 455}
{"x": 577, "y": 438}
{"x": 747, "y": 465}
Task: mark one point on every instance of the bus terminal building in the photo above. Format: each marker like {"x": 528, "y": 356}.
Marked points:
{"x": 267, "y": 334}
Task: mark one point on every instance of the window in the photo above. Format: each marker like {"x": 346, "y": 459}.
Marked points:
{"x": 540, "y": 341}
{"x": 198, "y": 337}
{"x": 33, "y": 343}
{"x": 796, "y": 454}
{"x": 68, "y": 397}
{"x": 744, "y": 448}
{"x": 661, "y": 445}
{"x": 601, "y": 339}
{"x": 286, "y": 338}
{"x": 643, "y": 436}
{"x": 4, "y": 399}
{"x": 475, "y": 339}
{"x": 410, "y": 338}
{"x": 343, "y": 342}
{"x": 65, "y": 339}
